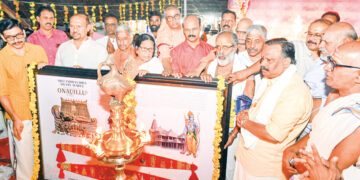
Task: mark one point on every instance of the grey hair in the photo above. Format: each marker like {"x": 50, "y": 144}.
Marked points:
{"x": 233, "y": 35}
{"x": 262, "y": 30}
{"x": 122, "y": 27}
{"x": 351, "y": 34}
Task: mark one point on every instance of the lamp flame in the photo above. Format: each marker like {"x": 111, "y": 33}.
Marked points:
{"x": 98, "y": 130}
{"x": 127, "y": 149}
{"x": 84, "y": 142}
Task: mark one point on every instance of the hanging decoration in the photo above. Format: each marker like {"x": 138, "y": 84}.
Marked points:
{"x": 120, "y": 14}
{"x": 52, "y": 5}
{"x": 16, "y": 3}
{"x": 75, "y": 9}
{"x": 66, "y": 15}
{"x": 32, "y": 17}
{"x": 163, "y": 5}
{"x": 179, "y": 4}
{"x": 152, "y": 5}
{"x": 86, "y": 10}
{"x": 124, "y": 12}
{"x": 1, "y": 12}
{"x": 100, "y": 14}
{"x": 244, "y": 5}
{"x": 136, "y": 11}
{"x": 142, "y": 9}
{"x": 147, "y": 13}
{"x": 169, "y": 2}
{"x": 160, "y": 7}
{"x": 93, "y": 16}
{"x": 173, "y": 2}
{"x": 106, "y": 8}
{"x": 130, "y": 11}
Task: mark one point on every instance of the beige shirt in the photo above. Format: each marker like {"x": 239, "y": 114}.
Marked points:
{"x": 168, "y": 39}
{"x": 290, "y": 116}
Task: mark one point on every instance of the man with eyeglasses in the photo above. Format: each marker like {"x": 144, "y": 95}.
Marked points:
{"x": 186, "y": 57}
{"x": 47, "y": 37}
{"x": 336, "y": 128}
{"x": 307, "y": 52}
{"x": 315, "y": 77}
{"x": 14, "y": 93}
{"x": 241, "y": 29}
{"x": 170, "y": 35}
{"x": 109, "y": 41}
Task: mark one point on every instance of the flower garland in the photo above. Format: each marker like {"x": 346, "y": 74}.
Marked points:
{"x": 52, "y": 5}
{"x": 106, "y": 8}
{"x": 243, "y": 5}
{"x": 66, "y": 14}
{"x": 179, "y": 4}
{"x": 152, "y": 5}
{"x": 1, "y": 12}
{"x": 160, "y": 7}
{"x": 218, "y": 129}
{"x": 93, "y": 16}
{"x": 32, "y": 17}
{"x": 142, "y": 9}
{"x": 173, "y": 2}
{"x": 35, "y": 127}
{"x": 147, "y": 13}
{"x": 232, "y": 115}
{"x": 100, "y": 14}
{"x": 16, "y": 3}
{"x": 75, "y": 9}
{"x": 124, "y": 11}
{"x": 163, "y": 5}
{"x": 169, "y": 2}
{"x": 130, "y": 11}
{"x": 120, "y": 14}
{"x": 130, "y": 103}
{"x": 136, "y": 11}
{"x": 86, "y": 9}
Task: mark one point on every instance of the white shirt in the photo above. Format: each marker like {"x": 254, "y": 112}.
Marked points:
{"x": 154, "y": 66}
{"x": 89, "y": 55}
{"x": 303, "y": 57}
{"x": 103, "y": 41}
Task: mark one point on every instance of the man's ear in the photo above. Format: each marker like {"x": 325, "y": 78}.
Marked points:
{"x": 357, "y": 78}
{"x": 24, "y": 33}
{"x": 287, "y": 61}
{"x": 2, "y": 37}
{"x": 38, "y": 18}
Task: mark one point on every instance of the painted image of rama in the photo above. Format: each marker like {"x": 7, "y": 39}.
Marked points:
{"x": 192, "y": 135}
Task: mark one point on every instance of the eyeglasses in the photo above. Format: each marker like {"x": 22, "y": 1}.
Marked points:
{"x": 149, "y": 50}
{"x": 316, "y": 35}
{"x": 20, "y": 35}
{"x": 333, "y": 64}
{"x": 240, "y": 32}
{"x": 224, "y": 47}
{"x": 111, "y": 24}
{"x": 172, "y": 18}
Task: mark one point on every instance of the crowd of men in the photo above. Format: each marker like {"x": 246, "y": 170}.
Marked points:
{"x": 298, "y": 102}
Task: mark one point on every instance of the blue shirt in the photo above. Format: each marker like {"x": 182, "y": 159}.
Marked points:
{"x": 315, "y": 78}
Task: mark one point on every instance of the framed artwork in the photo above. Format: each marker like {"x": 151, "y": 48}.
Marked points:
{"x": 187, "y": 120}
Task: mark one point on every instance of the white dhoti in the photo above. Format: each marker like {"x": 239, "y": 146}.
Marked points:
{"x": 241, "y": 174}
{"x": 21, "y": 152}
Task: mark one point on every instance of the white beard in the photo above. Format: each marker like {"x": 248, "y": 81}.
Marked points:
{"x": 227, "y": 60}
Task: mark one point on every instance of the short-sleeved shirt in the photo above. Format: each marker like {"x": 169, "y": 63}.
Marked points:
{"x": 168, "y": 39}
{"x": 289, "y": 117}
{"x": 185, "y": 58}
{"x": 50, "y": 44}
{"x": 104, "y": 40}
{"x": 89, "y": 55}
{"x": 315, "y": 78}
{"x": 13, "y": 76}
{"x": 303, "y": 57}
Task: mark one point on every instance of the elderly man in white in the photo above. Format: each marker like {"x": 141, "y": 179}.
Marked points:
{"x": 81, "y": 51}
{"x": 336, "y": 129}
{"x": 280, "y": 110}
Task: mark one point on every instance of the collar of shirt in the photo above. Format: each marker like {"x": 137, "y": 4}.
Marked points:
{"x": 82, "y": 44}
{"x": 200, "y": 45}
{"x": 9, "y": 51}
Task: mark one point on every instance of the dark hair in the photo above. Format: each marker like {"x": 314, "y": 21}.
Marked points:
{"x": 107, "y": 15}
{"x": 144, "y": 37}
{"x": 7, "y": 24}
{"x": 332, "y": 13}
{"x": 228, "y": 12}
{"x": 154, "y": 13}
{"x": 287, "y": 48}
{"x": 43, "y": 8}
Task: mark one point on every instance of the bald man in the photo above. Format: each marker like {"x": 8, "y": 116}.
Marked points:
{"x": 336, "y": 35}
{"x": 170, "y": 35}
{"x": 336, "y": 129}
{"x": 81, "y": 51}
{"x": 186, "y": 56}
{"x": 241, "y": 28}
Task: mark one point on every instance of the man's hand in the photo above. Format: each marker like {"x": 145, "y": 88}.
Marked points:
{"x": 241, "y": 117}
{"x": 237, "y": 76}
{"x": 143, "y": 72}
{"x": 177, "y": 75}
{"x": 18, "y": 127}
{"x": 289, "y": 154}
{"x": 206, "y": 77}
{"x": 110, "y": 47}
{"x": 319, "y": 168}
{"x": 41, "y": 65}
{"x": 231, "y": 137}
{"x": 194, "y": 73}
{"x": 211, "y": 56}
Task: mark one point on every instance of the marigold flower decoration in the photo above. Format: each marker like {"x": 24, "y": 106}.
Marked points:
{"x": 218, "y": 129}
{"x": 75, "y": 9}
{"x": 152, "y": 5}
{"x": 163, "y": 5}
{"x": 147, "y": 13}
{"x": 243, "y": 5}
{"x": 52, "y": 5}
{"x": 106, "y": 8}
{"x": 120, "y": 14}
{"x": 86, "y": 9}
{"x": 160, "y": 7}
{"x": 142, "y": 9}
{"x": 66, "y": 14}
{"x": 124, "y": 12}
{"x": 1, "y": 12}
{"x": 34, "y": 111}
{"x": 232, "y": 115}
{"x": 32, "y": 17}
{"x": 136, "y": 11}
{"x": 93, "y": 16}
{"x": 17, "y": 15}
{"x": 130, "y": 11}
{"x": 100, "y": 14}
